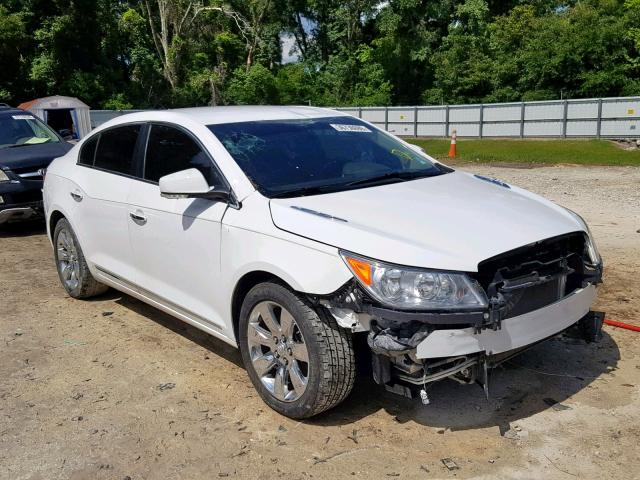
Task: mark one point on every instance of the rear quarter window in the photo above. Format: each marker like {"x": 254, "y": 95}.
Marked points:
{"x": 88, "y": 151}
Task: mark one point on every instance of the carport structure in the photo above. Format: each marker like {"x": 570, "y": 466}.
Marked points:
{"x": 66, "y": 115}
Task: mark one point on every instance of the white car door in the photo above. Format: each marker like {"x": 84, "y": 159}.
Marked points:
{"x": 176, "y": 242}
{"x": 107, "y": 171}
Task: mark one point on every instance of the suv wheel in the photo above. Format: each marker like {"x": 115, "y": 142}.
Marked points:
{"x": 299, "y": 360}
{"x": 72, "y": 267}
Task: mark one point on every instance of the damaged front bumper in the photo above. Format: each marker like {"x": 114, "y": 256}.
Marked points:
{"x": 515, "y": 332}
{"x": 534, "y": 293}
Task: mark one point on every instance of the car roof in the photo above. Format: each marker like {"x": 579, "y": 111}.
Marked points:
{"x": 219, "y": 115}
{"x": 7, "y": 110}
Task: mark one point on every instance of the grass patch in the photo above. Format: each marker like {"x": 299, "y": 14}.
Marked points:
{"x": 582, "y": 152}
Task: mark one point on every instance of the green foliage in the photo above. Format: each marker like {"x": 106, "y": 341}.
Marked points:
{"x": 117, "y": 102}
{"x": 167, "y": 53}
{"x": 257, "y": 86}
{"x": 13, "y": 41}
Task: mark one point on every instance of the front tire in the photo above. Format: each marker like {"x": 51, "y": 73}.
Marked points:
{"x": 298, "y": 358}
{"x": 72, "y": 267}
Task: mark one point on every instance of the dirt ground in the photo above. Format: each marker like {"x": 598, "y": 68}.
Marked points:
{"x": 113, "y": 389}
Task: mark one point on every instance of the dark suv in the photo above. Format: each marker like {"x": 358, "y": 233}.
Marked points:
{"x": 27, "y": 146}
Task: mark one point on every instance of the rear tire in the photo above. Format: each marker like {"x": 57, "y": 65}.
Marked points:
{"x": 277, "y": 332}
{"x": 72, "y": 267}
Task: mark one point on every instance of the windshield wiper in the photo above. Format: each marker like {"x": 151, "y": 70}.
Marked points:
{"x": 16, "y": 145}
{"x": 407, "y": 175}
{"x": 304, "y": 191}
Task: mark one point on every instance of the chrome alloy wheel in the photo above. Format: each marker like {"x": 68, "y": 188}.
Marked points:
{"x": 278, "y": 351}
{"x": 68, "y": 264}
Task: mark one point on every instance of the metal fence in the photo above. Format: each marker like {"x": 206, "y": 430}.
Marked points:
{"x": 98, "y": 117}
{"x": 586, "y": 118}
{"x": 593, "y": 117}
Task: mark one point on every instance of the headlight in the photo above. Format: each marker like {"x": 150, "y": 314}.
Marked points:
{"x": 415, "y": 288}
{"x": 592, "y": 250}
{"x": 3, "y": 176}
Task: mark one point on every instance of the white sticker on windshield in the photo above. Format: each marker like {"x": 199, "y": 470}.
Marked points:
{"x": 341, "y": 127}
{"x": 22, "y": 117}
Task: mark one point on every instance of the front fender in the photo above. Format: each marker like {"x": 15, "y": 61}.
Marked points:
{"x": 303, "y": 268}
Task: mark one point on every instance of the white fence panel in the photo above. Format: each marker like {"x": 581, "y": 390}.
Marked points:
{"x": 582, "y": 110}
{"x": 464, "y": 114}
{"x": 620, "y": 128}
{"x": 431, "y": 130}
{"x": 465, "y": 129}
{"x": 403, "y": 115}
{"x": 544, "y": 111}
{"x": 502, "y": 113}
{"x": 404, "y": 129}
{"x": 543, "y": 129}
{"x": 620, "y": 108}
{"x": 373, "y": 115}
{"x": 432, "y": 114}
{"x": 510, "y": 129}
{"x": 582, "y": 128}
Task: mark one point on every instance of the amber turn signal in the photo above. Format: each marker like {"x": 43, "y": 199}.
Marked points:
{"x": 361, "y": 269}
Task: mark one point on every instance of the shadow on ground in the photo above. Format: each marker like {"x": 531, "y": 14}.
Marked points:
{"x": 215, "y": 346}
{"x": 525, "y": 385}
{"x": 24, "y": 228}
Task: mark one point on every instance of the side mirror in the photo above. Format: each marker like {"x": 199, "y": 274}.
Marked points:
{"x": 191, "y": 183}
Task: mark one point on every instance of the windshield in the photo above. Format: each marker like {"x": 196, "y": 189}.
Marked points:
{"x": 24, "y": 129}
{"x": 311, "y": 156}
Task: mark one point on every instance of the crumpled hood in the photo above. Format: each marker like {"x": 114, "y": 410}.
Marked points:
{"x": 449, "y": 222}
{"x": 36, "y": 155}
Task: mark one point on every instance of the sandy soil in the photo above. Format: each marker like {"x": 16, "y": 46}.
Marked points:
{"x": 113, "y": 389}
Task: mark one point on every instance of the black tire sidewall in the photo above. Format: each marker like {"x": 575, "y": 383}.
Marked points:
{"x": 303, "y": 406}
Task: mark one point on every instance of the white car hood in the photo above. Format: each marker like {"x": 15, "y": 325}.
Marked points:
{"x": 449, "y": 222}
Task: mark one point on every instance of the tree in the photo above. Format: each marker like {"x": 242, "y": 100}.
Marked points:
{"x": 168, "y": 53}
{"x": 13, "y": 41}
{"x": 256, "y": 86}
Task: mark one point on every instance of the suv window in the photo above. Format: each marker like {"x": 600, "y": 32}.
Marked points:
{"x": 116, "y": 149}
{"x": 170, "y": 150}
{"x": 88, "y": 151}
{"x": 19, "y": 128}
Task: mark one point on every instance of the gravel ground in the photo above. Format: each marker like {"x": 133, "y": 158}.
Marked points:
{"x": 113, "y": 389}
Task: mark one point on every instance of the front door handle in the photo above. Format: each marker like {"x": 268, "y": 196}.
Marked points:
{"x": 76, "y": 195}
{"x": 138, "y": 217}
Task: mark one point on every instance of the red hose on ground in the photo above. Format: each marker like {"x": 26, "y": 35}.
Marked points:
{"x": 615, "y": 323}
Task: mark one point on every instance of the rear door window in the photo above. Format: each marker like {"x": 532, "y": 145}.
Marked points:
{"x": 171, "y": 150}
{"x": 116, "y": 149}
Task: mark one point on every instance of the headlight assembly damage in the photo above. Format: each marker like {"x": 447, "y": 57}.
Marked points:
{"x": 486, "y": 316}
{"x": 415, "y": 289}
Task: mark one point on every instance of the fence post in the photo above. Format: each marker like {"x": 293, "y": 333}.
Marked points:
{"x": 481, "y": 119}
{"x": 564, "y": 118}
{"x": 386, "y": 118}
{"x": 360, "y": 112}
{"x": 415, "y": 121}
{"x": 522, "y": 107}
{"x": 599, "y": 127}
{"x": 446, "y": 121}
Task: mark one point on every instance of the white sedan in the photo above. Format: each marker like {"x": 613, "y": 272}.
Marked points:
{"x": 288, "y": 231}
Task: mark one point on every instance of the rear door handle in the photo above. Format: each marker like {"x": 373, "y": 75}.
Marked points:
{"x": 76, "y": 195}
{"x": 138, "y": 217}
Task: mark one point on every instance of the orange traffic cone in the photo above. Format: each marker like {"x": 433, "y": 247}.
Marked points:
{"x": 454, "y": 140}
